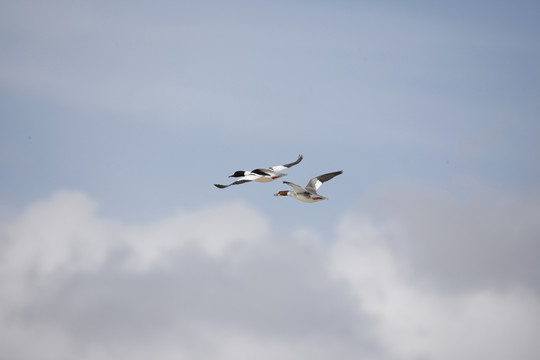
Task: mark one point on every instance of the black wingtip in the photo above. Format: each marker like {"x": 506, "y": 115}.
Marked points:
{"x": 220, "y": 186}
{"x": 300, "y": 157}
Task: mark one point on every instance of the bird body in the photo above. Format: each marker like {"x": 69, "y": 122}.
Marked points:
{"x": 309, "y": 193}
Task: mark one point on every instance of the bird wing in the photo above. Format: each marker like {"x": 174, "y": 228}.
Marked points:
{"x": 298, "y": 189}
{"x": 282, "y": 167}
{"x": 262, "y": 172}
{"x": 242, "y": 180}
{"x": 315, "y": 183}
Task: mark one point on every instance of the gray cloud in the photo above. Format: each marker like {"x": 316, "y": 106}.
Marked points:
{"x": 486, "y": 239}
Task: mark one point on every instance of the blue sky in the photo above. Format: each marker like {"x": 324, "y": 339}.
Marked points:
{"x": 119, "y": 116}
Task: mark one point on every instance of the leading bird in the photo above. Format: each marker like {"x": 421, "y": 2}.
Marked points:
{"x": 309, "y": 193}
{"x": 260, "y": 175}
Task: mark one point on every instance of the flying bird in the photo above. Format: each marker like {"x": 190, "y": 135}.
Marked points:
{"x": 260, "y": 175}
{"x": 309, "y": 193}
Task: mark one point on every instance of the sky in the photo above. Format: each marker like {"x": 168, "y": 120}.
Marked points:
{"x": 117, "y": 117}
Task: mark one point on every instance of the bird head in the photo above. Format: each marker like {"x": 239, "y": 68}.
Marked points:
{"x": 282, "y": 193}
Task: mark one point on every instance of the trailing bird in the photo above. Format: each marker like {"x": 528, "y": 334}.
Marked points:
{"x": 309, "y": 193}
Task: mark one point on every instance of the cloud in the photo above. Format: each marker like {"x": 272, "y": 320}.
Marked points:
{"x": 222, "y": 283}
{"x": 414, "y": 320}
{"x": 486, "y": 238}
{"x": 191, "y": 286}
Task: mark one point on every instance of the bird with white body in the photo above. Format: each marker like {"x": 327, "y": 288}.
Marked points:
{"x": 260, "y": 175}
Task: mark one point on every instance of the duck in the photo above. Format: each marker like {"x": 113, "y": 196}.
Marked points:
{"x": 260, "y": 175}
{"x": 309, "y": 193}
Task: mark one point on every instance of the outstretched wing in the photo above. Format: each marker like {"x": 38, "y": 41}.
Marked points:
{"x": 219, "y": 186}
{"x": 282, "y": 167}
{"x": 315, "y": 183}
{"x": 245, "y": 179}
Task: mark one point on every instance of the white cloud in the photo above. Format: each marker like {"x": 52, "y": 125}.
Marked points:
{"x": 55, "y": 237}
{"x": 213, "y": 230}
{"x": 85, "y": 287}
{"x": 62, "y": 236}
{"x": 219, "y": 283}
{"x": 414, "y": 320}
